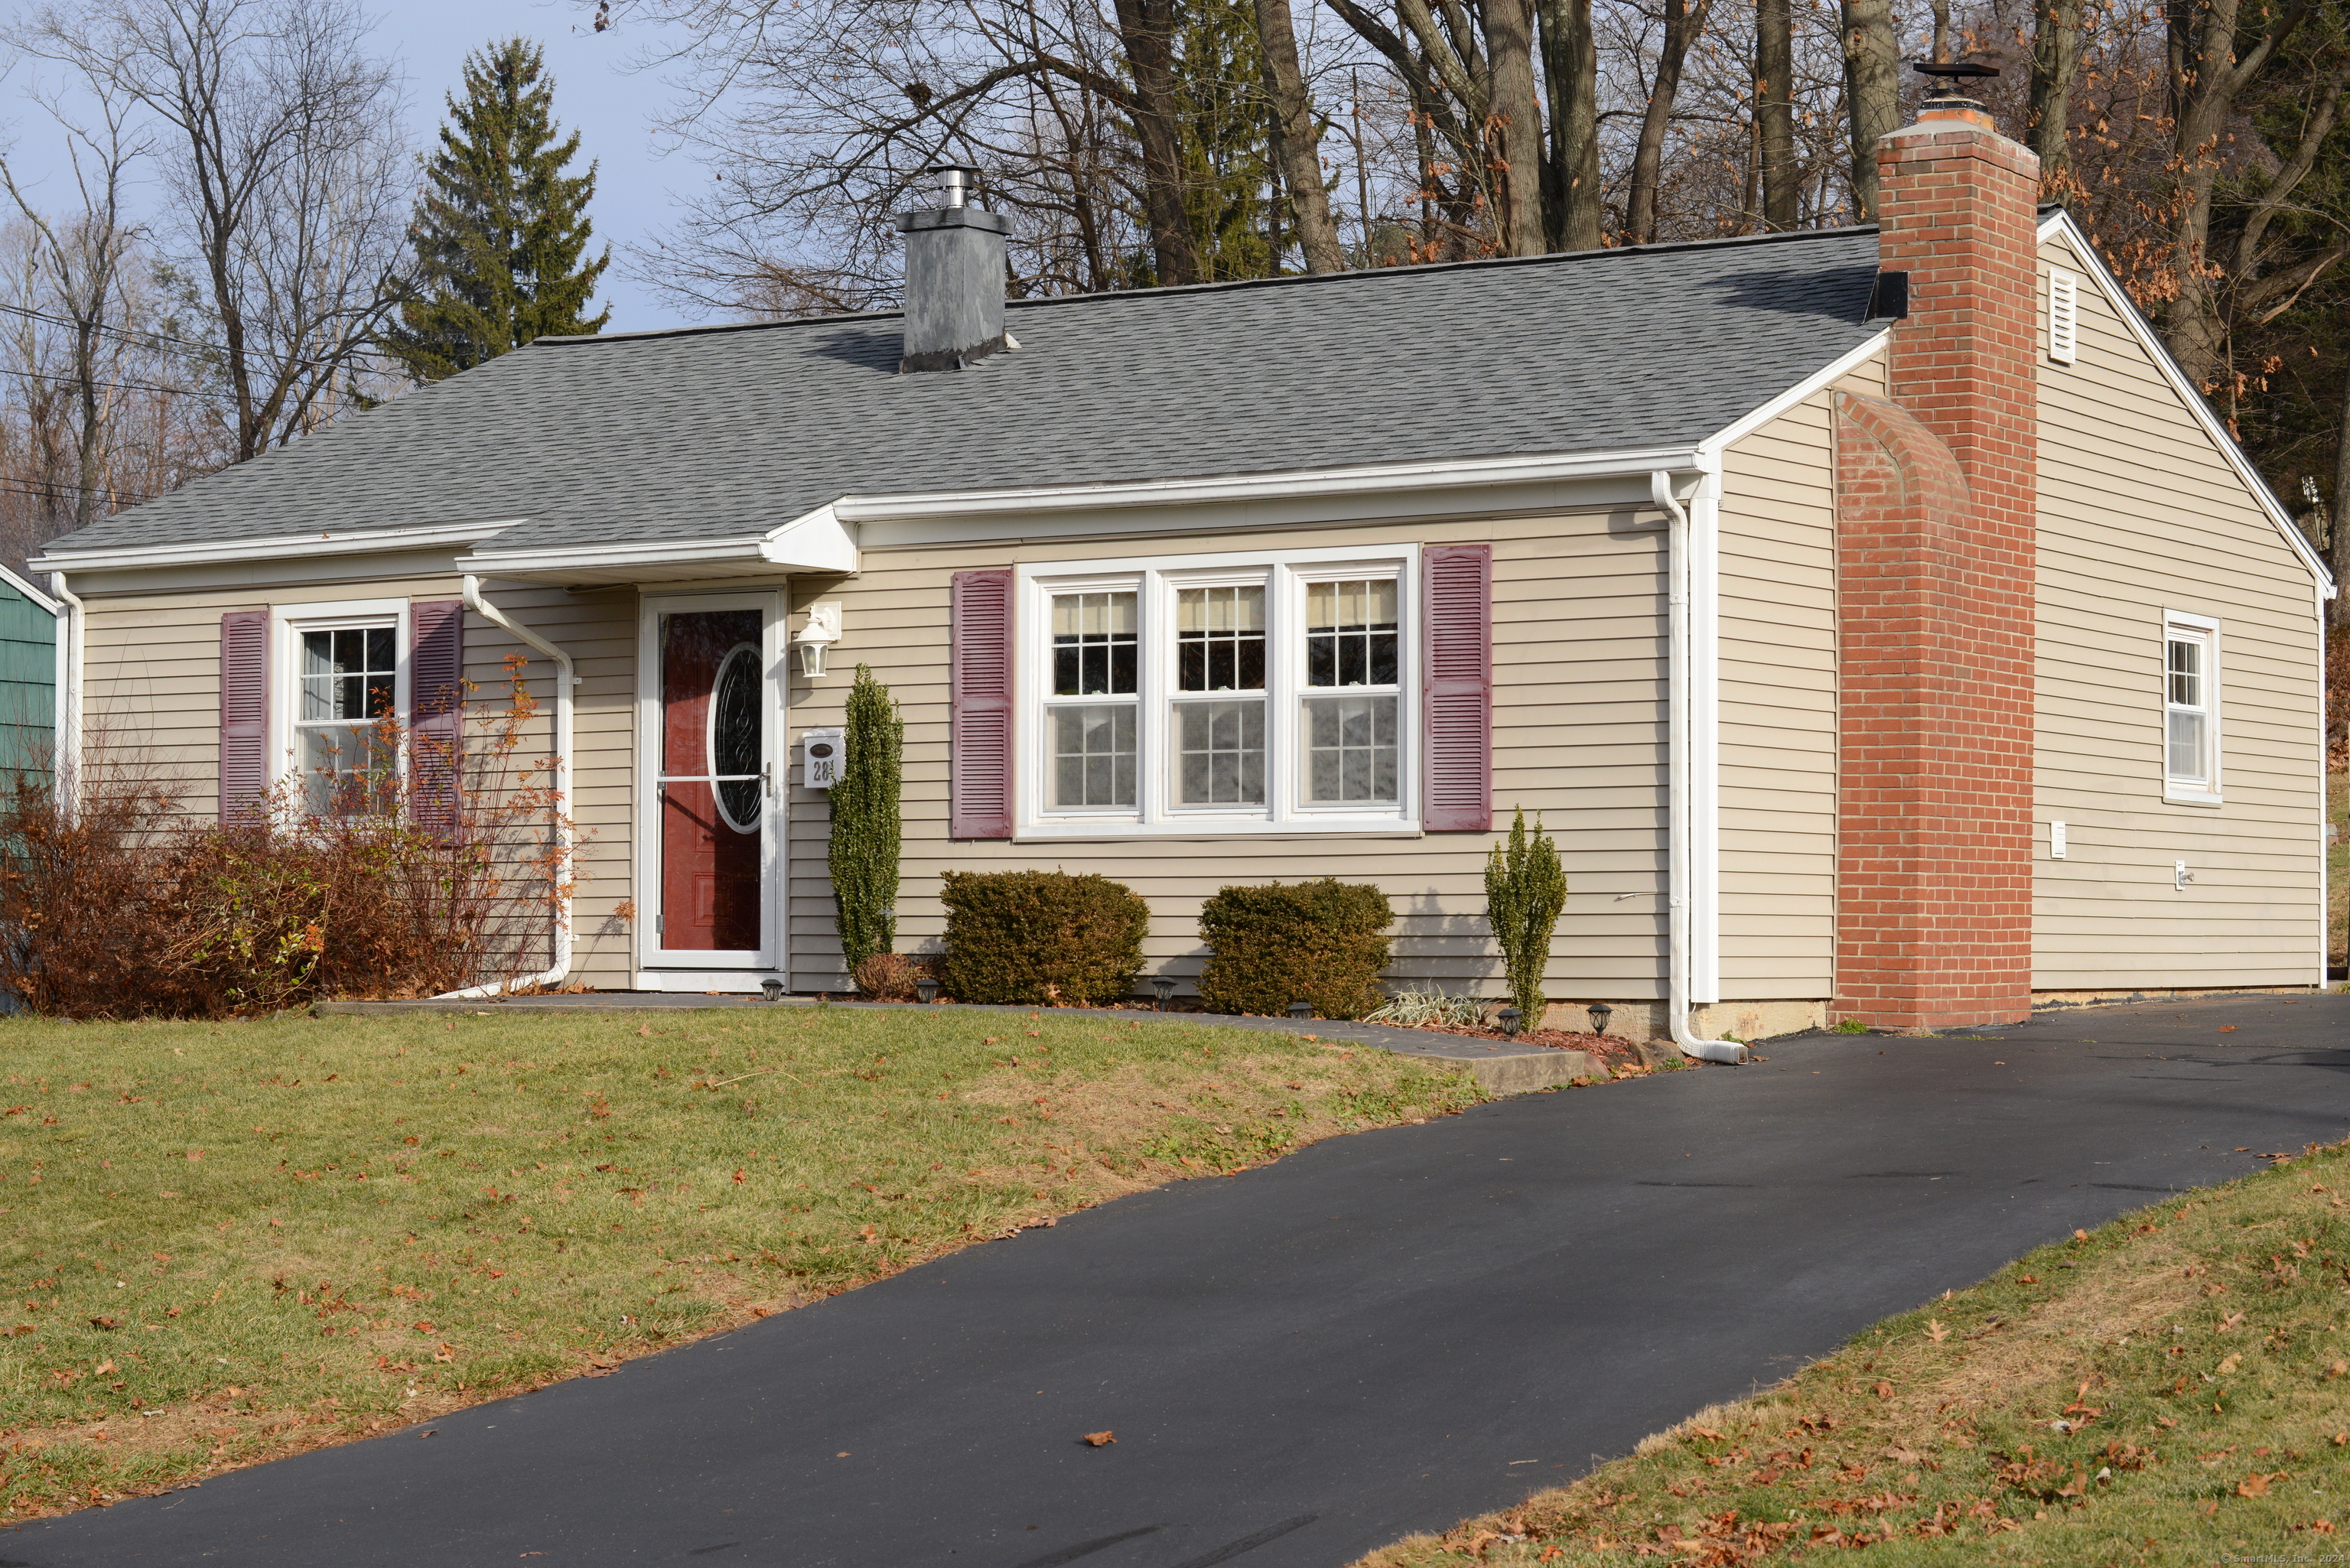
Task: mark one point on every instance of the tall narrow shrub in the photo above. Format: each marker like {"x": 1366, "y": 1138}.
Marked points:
{"x": 865, "y": 830}
{"x": 1525, "y": 888}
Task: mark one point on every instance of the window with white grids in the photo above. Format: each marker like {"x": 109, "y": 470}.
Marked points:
{"x": 1218, "y": 692}
{"x": 2190, "y": 709}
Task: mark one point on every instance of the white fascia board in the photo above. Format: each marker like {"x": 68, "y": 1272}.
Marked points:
{"x": 326, "y": 541}
{"x": 1826, "y": 376}
{"x": 1443, "y": 473}
{"x": 54, "y": 607}
{"x": 817, "y": 541}
{"x": 2062, "y": 224}
{"x": 634, "y": 553}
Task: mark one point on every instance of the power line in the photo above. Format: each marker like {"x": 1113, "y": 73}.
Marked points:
{"x": 165, "y": 337}
{"x": 48, "y": 491}
{"x": 125, "y": 386}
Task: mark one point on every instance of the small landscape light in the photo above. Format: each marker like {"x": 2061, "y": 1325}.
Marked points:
{"x": 1165, "y": 986}
{"x": 1301, "y": 1010}
{"x": 771, "y": 988}
{"x": 926, "y": 986}
{"x": 1600, "y": 1012}
{"x": 1509, "y": 1018}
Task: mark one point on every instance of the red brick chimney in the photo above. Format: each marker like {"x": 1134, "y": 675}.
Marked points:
{"x": 1936, "y": 567}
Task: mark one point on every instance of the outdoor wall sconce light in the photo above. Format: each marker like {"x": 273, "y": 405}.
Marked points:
{"x": 822, "y": 630}
{"x": 926, "y": 986}
{"x": 1301, "y": 1010}
{"x": 773, "y": 988}
{"x": 1600, "y": 1012}
{"x": 1509, "y": 1018}
{"x": 1165, "y": 986}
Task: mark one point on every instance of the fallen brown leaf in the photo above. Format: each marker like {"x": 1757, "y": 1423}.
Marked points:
{"x": 1101, "y": 1439}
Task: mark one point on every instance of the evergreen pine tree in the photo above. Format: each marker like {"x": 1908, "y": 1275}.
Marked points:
{"x": 501, "y": 231}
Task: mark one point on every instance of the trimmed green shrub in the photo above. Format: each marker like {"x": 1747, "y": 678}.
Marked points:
{"x": 1525, "y": 888}
{"x": 865, "y": 830}
{"x": 1042, "y": 937}
{"x": 1323, "y": 942}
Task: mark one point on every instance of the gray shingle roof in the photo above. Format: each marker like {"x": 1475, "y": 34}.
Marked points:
{"x": 722, "y": 432}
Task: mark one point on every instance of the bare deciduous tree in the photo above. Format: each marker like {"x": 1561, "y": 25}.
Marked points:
{"x": 280, "y": 141}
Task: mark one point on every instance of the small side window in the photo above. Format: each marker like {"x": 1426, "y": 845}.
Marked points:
{"x": 2190, "y": 709}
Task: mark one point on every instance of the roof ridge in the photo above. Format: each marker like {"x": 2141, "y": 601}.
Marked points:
{"x": 1284, "y": 280}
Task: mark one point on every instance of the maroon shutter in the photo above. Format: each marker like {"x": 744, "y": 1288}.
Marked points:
{"x": 243, "y": 713}
{"x": 1457, "y": 727}
{"x": 436, "y": 689}
{"x": 980, "y": 717}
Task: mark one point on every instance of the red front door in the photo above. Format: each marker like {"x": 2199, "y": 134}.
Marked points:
{"x": 713, "y": 785}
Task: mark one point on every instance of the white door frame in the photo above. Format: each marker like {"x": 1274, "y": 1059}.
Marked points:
{"x": 664, "y": 969}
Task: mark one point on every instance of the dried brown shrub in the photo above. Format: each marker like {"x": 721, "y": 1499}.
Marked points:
{"x": 886, "y": 977}
{"x": 442, "y": 871}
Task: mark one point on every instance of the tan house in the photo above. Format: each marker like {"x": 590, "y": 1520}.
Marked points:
{"x": 1879, "y": 622}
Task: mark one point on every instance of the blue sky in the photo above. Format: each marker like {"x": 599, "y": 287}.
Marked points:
{"x": 596, "y": 94}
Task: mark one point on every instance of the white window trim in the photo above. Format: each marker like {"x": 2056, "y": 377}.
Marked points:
{"x": 2187, "y": 793}
{"x": 1154, "y": 580}
{"x": 286, "y": 625}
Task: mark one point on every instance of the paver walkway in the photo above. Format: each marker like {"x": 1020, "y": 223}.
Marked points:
{"x": 1378, "y": 1334}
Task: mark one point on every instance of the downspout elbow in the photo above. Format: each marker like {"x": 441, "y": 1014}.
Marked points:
{"x": 1681, "y": 703}
{"x": 560, "y": 970}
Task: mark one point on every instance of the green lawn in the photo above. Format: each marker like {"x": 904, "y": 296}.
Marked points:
{"x": 2169, "y": 1390}
{"x": 227, "y": 1242}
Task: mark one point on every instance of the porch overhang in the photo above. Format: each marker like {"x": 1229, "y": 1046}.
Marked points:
{"x": 818, "y": 541}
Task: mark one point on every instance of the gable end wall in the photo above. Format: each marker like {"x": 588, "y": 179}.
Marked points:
{"x": 2140, "y": 512}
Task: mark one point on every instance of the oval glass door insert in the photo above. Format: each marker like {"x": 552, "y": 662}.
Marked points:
{"x": 734, "y": 739}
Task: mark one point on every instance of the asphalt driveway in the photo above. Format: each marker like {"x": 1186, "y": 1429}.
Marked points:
{"x": 1375, "y": 1336}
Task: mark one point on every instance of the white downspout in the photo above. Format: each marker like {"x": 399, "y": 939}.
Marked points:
{"x": 68, "y": 757}
{"x": 1680, "y": 748}
{"x": 561, "y": 969}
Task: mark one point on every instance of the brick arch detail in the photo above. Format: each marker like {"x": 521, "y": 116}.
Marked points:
{"x": 1935, "y": 636}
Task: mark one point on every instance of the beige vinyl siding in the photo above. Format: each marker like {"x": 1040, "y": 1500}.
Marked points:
{"x": 1777, "y": 803}
{"x": 151, "y": 683}
{"x": 1578, "y": 635}
{"x": 2139, "y": 513}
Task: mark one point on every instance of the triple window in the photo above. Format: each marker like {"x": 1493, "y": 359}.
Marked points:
{"x": 2190, "y": 707}
{"x": 1272, "y": 691}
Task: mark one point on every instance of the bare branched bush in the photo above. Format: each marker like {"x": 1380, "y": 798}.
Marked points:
{"x": 442, "y": 868}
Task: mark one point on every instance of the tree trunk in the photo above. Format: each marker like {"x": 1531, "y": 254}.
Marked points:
{"x": 1774, "y": 112}
{"x": 1683, "y": 22}
{"x": 2207, "y": 77}
{"x": 1146, "y": 33}
{"x": 2055, "y": 56}
{"x": 1872, "y": 78}
{"x": 1571, "y": 64}
{"x": 1301, "y": 161}
{"x": 1514, "y": 131}
{"x": 2337, "y": 525}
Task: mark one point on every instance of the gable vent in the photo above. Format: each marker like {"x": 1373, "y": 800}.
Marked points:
{"x": 2064, "y": 315}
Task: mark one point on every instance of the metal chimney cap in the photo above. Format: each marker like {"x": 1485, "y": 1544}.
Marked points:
{"x": 1947, "y": 74}
{"x": 957, "y": 182}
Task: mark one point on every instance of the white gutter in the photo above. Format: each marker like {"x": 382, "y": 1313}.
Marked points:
{"x": 70, "y": 625}
{"x": 1442, "y": 474}
{"x": 272, "y": 547}
{"x": 564, "y": 679}
{"x": 1683, "y": 571}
